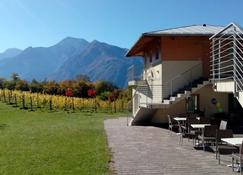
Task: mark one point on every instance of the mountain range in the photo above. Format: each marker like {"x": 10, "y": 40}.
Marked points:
{"x": 10, "y": 53}
{"x": 69, "y": 58}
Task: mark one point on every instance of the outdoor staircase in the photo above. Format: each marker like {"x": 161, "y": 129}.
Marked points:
{"x": 185, "y": 91}
{"x": 145, "y": 111}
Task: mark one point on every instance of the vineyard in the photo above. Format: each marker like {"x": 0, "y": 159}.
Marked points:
{"x": 38, "y": 101}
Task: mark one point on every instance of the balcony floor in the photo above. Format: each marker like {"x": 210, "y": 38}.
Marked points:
{"x": 146, "y": 150}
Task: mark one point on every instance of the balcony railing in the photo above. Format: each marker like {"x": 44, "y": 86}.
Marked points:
{"x": 227, "y": 56}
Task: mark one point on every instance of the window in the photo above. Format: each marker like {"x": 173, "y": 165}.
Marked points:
{"x": 157, "y": 54}
{"x": 150, "y": 58}
{"x": 193, "y": 103}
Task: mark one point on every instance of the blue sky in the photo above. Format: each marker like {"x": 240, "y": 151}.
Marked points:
{"x": 120, "y": 22}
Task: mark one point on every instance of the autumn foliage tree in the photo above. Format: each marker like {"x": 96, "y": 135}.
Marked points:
{"x": 80, "y": 87}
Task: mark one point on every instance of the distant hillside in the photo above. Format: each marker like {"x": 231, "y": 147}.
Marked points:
{"x": 38, "y": 63}
{"x": 100, "y": 61}
{"x": 12, "y": 52}
{"x": 70, "y": 57}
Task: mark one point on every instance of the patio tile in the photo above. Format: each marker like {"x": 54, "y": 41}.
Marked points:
{"x": 146, "y": 150}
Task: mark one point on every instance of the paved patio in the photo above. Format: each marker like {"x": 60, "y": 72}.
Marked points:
{"x": 145, "y": 150}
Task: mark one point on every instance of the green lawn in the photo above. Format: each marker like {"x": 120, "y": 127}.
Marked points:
{"x": 51, "y": 143}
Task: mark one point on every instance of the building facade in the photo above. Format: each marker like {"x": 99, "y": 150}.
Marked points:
{"x": 177, "y": 76}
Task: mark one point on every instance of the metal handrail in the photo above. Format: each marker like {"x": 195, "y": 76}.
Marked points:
{"x": 238, "y": 48}
{"x": 225, "y": 67}
{"x": 239, "y": 36}
{"x": 223, "y": 78}
{"x": 239, "y": 73}
{"x": 132, "y": 75}
{"x": 228, "y": 49}
{"x": 234, "y": 64}
{"x": 239, "y": 82}
{"x": 221, "y": 41}
{"x": 224, "y": 72}
{"x": 239, "y": 41}
{"x": 222, "y": 46}
{"x": 239, "y": 61}
{"x": 182, "y": 75}
{"x": 161, "y": 89}
{"x": 221, "y": 57}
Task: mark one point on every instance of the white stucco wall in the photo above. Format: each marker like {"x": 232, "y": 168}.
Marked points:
{"x": 225, "y": 86}
{"x": 154, "y": 79}
{"x": 205, "y": 95}
{"x": 185, "y": 70}
{"x": 160, "y": 74}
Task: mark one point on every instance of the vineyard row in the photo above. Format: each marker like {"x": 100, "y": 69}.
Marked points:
{"x": 34, "y": 101}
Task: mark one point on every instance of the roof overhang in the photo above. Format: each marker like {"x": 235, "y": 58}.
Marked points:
{"x": 138, "y": 48}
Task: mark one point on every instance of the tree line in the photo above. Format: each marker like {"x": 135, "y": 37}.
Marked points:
{"x": 80, "y": 87}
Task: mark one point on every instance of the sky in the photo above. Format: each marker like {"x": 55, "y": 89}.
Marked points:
{"x": 34, "y": 23}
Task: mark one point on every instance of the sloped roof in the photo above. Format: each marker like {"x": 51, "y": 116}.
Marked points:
{"x": 189, "y": 30}
{"x": 193, "y": 30}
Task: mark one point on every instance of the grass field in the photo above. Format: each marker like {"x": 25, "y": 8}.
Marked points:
{"x": 47, "y": 143}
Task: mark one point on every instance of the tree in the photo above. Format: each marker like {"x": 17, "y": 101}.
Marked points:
{"x": 103, "y": 86}
{"x": 2, "y": 80}
{"x": 10, "y": 85}
{"x": 104, "y": 95}
{"x": 35, "y": 86}
{"x": 22, "y": 85}
{"x": 15, "y": 76}
{"x": 50, "y": 87}
{"x": 82, "y": 77}
{"x": 64, "y": 85}
{"x": 81, "y": 89}
{"x": 91, "y": 93}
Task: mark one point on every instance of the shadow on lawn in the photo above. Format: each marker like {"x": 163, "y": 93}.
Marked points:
{"x": 3, "y": 126}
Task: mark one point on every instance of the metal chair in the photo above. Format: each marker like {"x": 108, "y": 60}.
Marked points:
{"x": 222, "y": 148}
{"x": 189, "y": 132}
{"x": 204, "y": 120}
{"x": 209, "y": 134}
{"x": 238, "y": 158}
{"x": 172, "y": 124}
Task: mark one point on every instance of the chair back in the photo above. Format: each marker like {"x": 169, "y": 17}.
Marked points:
{"x": 204, "y": 120}
{"x": 191, "y": 120}
{"x": 227, "y": 133}
{"x": 241, "y": 149}
{"x": 193, "y": 115}
{"x": 223, "y": 125}
{"x": 210, "y": 131}
{"x": 169, "y": 121}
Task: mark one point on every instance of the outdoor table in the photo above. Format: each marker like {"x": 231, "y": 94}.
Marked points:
{"x": 183, "y": 118}
{"x": 201, "y": 127}
{"x": 236, "y": 141}
{"x": 179, "y": 119}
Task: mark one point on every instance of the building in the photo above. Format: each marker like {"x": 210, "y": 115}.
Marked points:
{"x": 187, "y": 69}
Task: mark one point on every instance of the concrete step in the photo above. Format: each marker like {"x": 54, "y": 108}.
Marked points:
{"x": 167, "y": 102}
{"x": 173, "y": 98}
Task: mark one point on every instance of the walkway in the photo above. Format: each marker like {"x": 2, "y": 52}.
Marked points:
{"x": 149, "y": 150}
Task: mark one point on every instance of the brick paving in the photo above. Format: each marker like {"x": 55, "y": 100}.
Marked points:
{"x": 145, "y": 150}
